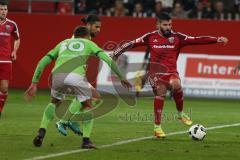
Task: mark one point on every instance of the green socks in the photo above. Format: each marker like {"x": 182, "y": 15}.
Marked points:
{"x": 48, "y": 115}
{"x": 72, "y": 110}
{"x": 87, "y": 128}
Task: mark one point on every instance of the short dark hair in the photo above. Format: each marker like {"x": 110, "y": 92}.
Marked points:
{"x": 164, "y": 16}
{"x": 3, "y": 2}
{"x": 91, "y": 18}
{"x": 81, "y": 31}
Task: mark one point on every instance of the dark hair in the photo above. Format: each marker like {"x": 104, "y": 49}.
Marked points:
{"x": 164, "y": 16}
{"x": 81, "y": 31}
{"x": 91, "y": 18}
{"x": 3, "y": 3}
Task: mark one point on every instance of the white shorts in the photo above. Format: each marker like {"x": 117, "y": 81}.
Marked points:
{"x": 70, "y": 84}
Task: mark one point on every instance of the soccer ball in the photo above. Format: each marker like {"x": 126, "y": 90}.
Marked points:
{"x": 197, "y": 132}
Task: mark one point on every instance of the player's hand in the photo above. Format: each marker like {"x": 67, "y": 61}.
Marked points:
{"x": 223, "y": 40}
{"x": 126, "y": 84}
{"x": 14, "y": 56}
{"x": 31, "y": 91}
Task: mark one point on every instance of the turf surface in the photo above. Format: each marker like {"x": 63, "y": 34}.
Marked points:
{"x": 20, "y": 122}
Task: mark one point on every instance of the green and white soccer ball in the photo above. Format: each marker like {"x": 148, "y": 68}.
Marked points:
{"x": 197, "y": 132}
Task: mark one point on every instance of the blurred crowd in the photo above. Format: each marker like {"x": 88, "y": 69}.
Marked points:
{"x": 200, "y": 9}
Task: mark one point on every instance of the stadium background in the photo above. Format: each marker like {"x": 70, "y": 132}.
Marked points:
{"x": 40, "y": 32}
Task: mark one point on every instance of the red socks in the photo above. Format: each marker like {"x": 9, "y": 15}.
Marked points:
{"x": 159, "y": 102}
{"x": 3, "y": 97}
{"x": 178, "y": 98}
{"x": 158, "y": 106}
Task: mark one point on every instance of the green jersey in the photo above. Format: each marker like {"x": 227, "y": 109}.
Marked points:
{"x": 71, "y": 56}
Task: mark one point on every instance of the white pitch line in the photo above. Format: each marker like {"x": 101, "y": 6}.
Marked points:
{"x": 123, "y": 142}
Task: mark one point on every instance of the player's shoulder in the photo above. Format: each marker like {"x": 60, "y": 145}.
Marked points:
{"x": 147, "y": 35}
{"x": 70, "y": 40}
{"x": 9, "y": 21}
{"x": 154, "y": 32}
{"x": 178, "y": 34}
{"x": 87, "y": 41}
{"x": 65, "y": 41}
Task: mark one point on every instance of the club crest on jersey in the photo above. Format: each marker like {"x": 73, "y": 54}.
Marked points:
{"x": 171, "y": 39}
{"x": 8, "y": 28}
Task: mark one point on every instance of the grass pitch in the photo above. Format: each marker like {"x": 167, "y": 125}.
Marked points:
{"x": 20, "y": 122}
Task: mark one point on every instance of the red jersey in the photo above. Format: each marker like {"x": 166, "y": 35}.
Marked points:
{"x": 164, "y": 51}
{"x": 8, "y": 29}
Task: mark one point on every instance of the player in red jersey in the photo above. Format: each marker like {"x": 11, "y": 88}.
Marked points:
{"x": 8, "y": 30}
{"x": 165, "y": 46}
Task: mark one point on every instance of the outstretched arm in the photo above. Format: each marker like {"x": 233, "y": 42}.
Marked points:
{"x": 122, "y": 49}
{"x": 142, "y": 41}
{"x": 189, "y": 40}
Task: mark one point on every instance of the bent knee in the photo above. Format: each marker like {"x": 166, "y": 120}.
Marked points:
{"x": 160, "y": 91}
{"x": 4, "y": 86}
{"x": 4, "y": 89}
{"x": 175, "y": 84}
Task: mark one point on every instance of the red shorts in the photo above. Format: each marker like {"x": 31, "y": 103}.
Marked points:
{"x": 162, "y": 79}
{"x": 5, "y": 70}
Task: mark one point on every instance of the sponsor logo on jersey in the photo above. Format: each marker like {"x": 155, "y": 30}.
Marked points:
{"x": 171, "y": 39}
{"x": 163, "y": 46}
{"x": 4, "y": 34}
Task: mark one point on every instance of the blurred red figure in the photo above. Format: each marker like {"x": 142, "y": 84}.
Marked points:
{"x": 64, "y": 8}
{"x": 8, "y": 30}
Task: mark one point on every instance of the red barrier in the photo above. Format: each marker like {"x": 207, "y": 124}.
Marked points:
{"x": 40, "y": 33}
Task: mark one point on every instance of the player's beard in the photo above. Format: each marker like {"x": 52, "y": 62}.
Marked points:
{"x": 93, "y": 35}
{"x": 166, "y": 33}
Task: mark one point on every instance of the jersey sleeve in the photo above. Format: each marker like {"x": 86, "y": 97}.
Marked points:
{"x": 48, "y": 58}
{"x": 141, "y": 41}
{"x": 189, "y": 40}
{"x": 53, "y": 54}
{"x": 15, "y": 32}
{"x": 40, "y": 67}
{"x": 94, "y": 48}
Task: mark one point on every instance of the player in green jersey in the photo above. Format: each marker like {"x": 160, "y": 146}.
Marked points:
{"x": 72, "y": 53}
{"x": 93, "y": 23}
